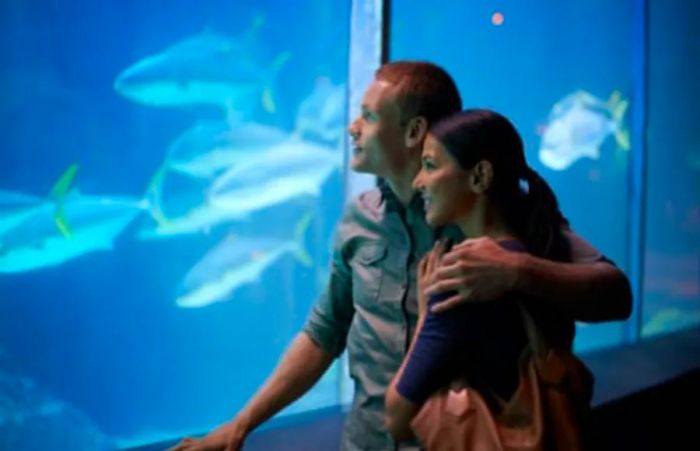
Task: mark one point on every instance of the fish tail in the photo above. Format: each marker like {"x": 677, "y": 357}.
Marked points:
{"x": 618, "y": 107}
{"x": 64, "y": 183}
{"x": 622, "y": 137}
{"x": 619, "y": 111}
{"x": 59, "y": 192}
{"x": 301, "y": 252}
{"x": 267, "y": 99}
{"x": 153, "y": 196}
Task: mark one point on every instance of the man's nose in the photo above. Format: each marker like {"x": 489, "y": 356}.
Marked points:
{"x": 353, "y": 130}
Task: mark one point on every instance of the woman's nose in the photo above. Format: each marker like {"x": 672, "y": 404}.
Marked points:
{"x": 418, "y": 182}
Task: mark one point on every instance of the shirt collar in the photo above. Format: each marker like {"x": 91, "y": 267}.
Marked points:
{"x": 392, "y": 202}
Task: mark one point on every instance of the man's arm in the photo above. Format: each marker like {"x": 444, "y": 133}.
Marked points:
{"x": 302, "y": 365}
{"x": 300, "y": 368}
{"x": 589, "y": 290}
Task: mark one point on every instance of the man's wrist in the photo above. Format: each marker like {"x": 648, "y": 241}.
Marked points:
{"x": 243, "y": 424}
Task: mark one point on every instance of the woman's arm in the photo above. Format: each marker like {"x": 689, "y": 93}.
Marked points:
{"x": 399, "y": 409}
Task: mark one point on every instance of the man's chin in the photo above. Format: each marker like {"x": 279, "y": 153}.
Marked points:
{"x": 359, "y": 166}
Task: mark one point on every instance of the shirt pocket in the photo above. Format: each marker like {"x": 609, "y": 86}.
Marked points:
{"x": 368, "y": 273}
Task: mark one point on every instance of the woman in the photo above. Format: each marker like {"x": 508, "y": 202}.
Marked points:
{"x": 474, "y": 175}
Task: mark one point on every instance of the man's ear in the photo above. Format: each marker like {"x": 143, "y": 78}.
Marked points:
{"x": 416, "y": 129}
{"x": 481, "y": 177}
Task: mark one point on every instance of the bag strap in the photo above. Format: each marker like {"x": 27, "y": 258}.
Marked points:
{"x": 550, "y": 364}
{"x": 537, "y": 341}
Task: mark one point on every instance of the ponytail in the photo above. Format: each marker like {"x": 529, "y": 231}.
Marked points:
{"x": 542, "y": 221}
{"x": 533, "y": 213}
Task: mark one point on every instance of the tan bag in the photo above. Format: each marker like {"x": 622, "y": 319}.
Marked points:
{"x": 546, "y": 411}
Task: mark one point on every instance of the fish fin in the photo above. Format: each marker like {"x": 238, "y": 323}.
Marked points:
{"x": 280, "y": 61}
{"x": 614, "y": 99}
{"x": 622, "y": 137}
{"x": 590, "y": 152}
{"x": 249, "y": 36}
{"x": 62, "y": 224}
{"x": 257, "y": 22}
{"x": 299, "y": 231}
{"x": 268, "y": 101}
{"x": 267, "y": 98}
{"x": 64, "y": 183}
{"x": 619, "y": 110}
{"x": 586, "y": 98}
{"x": 59, "y": 192}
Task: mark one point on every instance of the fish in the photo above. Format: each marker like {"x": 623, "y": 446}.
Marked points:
{"x": 212, "y": 146}
{"x": 199, "y": 219}
{"x": 322, "y": 115}
{"x": 577, "y": 127}
{"x": 38, "y": 242}
{"x": 236, "y": 262}
{"x": 70, "y": 225}
{"x": 33, "y": 418}
{"x": 205, "y": 69}
{"x": 294, "y": 168}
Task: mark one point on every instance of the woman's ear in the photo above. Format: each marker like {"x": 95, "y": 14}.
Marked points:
{"x": 481, "y": 177}
{"x": 416, "y": 129}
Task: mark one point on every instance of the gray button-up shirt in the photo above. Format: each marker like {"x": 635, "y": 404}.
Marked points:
{"x": 370, "y": 304}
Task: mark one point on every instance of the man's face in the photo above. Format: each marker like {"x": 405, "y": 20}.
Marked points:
{"x": 377, "y": 133}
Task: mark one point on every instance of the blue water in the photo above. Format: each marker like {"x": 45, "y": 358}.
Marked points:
{"x": 101, "y": 333}
{"x": 544, "y": 51}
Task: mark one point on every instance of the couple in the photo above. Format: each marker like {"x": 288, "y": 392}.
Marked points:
{"x": 470, "y": 169}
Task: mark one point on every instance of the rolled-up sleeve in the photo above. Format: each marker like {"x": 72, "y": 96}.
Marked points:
{"x": 582, "y": 251}
{"x": 330, "y": 319}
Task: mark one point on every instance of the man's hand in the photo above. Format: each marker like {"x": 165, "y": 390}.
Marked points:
{"x": 478, "y": 270}
{"x": 427, "y": 269}
{"x": 228, "y": 437}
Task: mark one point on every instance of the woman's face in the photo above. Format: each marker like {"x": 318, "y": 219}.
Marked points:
{"x": 444, "y": 185}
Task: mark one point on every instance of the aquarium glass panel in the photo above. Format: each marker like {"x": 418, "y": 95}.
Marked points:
{"x": 562, "y": 72}
{"x": 672, "y": 251}
{"x": 170, "y": 178}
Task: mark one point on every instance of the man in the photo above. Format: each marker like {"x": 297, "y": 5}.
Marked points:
{"x": 369, "y": 306}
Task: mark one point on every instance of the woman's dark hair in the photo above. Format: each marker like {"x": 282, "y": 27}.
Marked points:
{"x": 526, "y": 202}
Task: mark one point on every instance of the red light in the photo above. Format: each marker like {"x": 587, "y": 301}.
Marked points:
{"x": 497, "y": 19}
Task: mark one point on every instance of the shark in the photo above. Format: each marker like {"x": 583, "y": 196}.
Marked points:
{"x": 236, "y": 262}
{"x": 68, "y": 225}
{"x": 211, "y": 146}
{"x": 204, "y": 69}
{"x": 294, "y": 168}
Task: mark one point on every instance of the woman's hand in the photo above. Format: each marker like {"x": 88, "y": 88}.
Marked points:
{"x": 426, "y": 274}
